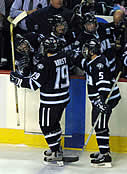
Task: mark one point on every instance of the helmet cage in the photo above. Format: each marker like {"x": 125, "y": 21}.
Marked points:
{"x": 89, "y": 22}
{"x": 50, "y": 45}
{"x": 58, "y": 25}
{"x": 90, "y": 48}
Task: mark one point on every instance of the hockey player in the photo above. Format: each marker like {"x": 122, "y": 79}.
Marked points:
{"x": 93, "y": 29}
{"x": 25, "y": 60}
{"x": 99, "y": 81}
{"x": 95, "y": 7}
{"x": 52, "y": 77}
{"x": 124, "y": 63}
{"x": 116, "y": 31}
{"x": 59, "y": 27}
{"x": 24, "y": 55}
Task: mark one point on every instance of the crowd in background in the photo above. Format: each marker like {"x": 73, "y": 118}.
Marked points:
{"x": 97, "y": 7}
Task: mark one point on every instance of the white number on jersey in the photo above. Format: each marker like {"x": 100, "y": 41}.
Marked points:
{"x": 62, "y": 73}
{"x": 105, "y": 44}
{"x": 101, "y": 75}
{"x": 89, "y": 80}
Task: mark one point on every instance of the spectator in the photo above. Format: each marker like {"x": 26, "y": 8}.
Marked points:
{"x": 118, "y": 5}
{"x": 122, "y": 7}
{"x": 2, "y": 16}
{"x": 2, "y": 8}
{"x": 6, "y": 35}
{"x": 27, "y": 5}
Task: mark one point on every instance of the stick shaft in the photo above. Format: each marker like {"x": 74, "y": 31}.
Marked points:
{"x": 13, "y": 61}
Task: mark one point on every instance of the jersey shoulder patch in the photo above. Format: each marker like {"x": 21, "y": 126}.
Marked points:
{"x": 100, "y": 66}
{"x": 40, "y": 66}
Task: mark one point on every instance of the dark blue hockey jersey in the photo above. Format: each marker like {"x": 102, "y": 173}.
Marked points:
{"x": 52, "y": 77}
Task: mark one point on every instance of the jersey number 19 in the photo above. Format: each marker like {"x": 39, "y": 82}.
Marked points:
{"x": 62, "y": 75}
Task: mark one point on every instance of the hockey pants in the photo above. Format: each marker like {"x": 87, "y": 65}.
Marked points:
{"x": 49, "y": 118}
{"x": 102, "y": 128}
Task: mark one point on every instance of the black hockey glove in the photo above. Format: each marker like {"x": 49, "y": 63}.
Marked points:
{"x": 101, "y": 106}
{"x": 16, "y": 78}
{"x": 23, "y": 64}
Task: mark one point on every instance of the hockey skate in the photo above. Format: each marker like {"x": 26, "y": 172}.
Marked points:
{"x": 103, "y": 160}
{"x": 58, "y": 158}
{"x": 48, "y": 152}
{"x": 54, "y": 158}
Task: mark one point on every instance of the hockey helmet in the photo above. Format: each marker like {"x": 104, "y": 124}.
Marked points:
{"x": 91, "y": 47}
{"x": 58, "y": 25}
{"x": 50, "y": 45}
{"x": 87, "y": 6}
{"x": 89, "y": 22}
{"x": 22, "y": 45}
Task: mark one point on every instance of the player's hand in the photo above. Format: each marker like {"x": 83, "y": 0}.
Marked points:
{"x": 102, "y": 107}
{"x": 16, "y": 78}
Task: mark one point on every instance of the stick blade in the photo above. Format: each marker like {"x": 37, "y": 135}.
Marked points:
{"x": 19, "y": 18}
{"x": 70, "y": 158}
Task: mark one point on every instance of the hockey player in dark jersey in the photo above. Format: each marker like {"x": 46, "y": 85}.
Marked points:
{"x": 51, "y": 75}
{"x": 93, "y": 29}
{"x": 99, "y": 81}
{"x": 27, "y": 44}
{"x": 124, "y": 63}
{"x": 116, "y": 31}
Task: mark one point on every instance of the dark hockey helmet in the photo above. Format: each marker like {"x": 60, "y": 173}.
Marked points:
{"x": 58, "y": 25}
{"x": 50, "y": 45}
{"x": 91, "y": 47}
{"x": 87, "y": 6}
{"x": 22, "y": 45}
{"x": 89, "y": 23}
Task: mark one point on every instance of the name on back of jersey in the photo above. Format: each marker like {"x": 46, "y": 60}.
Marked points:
{"x": 60, "y": 61}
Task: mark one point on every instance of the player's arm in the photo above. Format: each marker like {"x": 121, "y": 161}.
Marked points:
{"x": 34, "y": 81}
{"x": 76, "y": 58}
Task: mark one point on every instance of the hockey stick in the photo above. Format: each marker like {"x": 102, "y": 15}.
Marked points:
{"x": 13, "y": 61}
{"x": 16, "y": 20}
{"x": 99, "y": 116}
{"x": 12, "y": 24}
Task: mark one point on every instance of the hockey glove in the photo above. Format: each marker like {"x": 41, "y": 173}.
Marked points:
{"x": 101, "y": 106}
{"x": 16, "y": 78}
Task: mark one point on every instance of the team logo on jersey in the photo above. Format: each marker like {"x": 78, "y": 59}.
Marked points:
{"x": 40, "y": 66}
{"x": 100, "y": 66}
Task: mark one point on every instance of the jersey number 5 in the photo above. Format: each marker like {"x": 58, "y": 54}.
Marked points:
{"x": 101, "y": 75}
{"x": 62, "y": 75}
